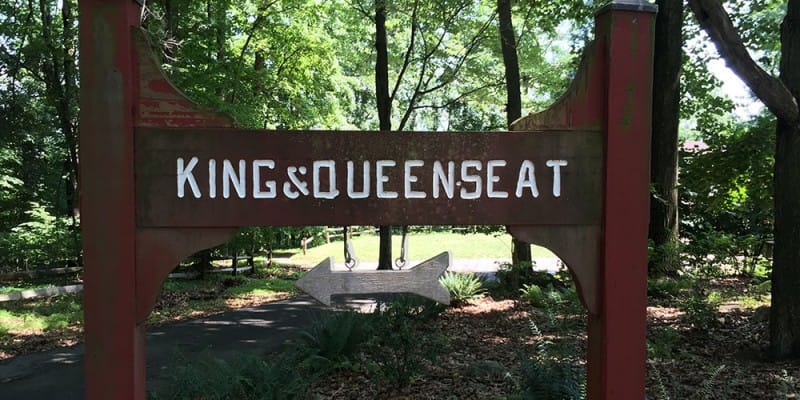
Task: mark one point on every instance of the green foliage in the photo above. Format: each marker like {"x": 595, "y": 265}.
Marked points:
{"x": 512, "y": 279}
{"x": 728, "y": 193}
{"x": 401, "y": 344}
{"x": 668, "y": 288}
{"x": 334, "y": 340}
{"x": 41, "y": 315}
{"x": 663, "y": 343}
{"x": 700, "y": 310}
{"x": 788, "y": 386}
{"x": 534, "y": 295}
{"x": 664, "y": 259}
{"x": 40, "y": 241}
{"x": 247, "y": 377}
{"x": 551, "y": 373}
{"x": 462, "y": 287}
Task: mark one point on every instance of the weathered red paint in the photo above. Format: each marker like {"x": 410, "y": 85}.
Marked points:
{"x": 577, "y": 203}
{"x": 620, "y": 330}
{"x": 122, "y": 87}
{"x": 612, "y": 91}
{"x": 114, "y": 360}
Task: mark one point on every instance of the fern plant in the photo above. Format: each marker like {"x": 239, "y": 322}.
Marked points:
{"x": 462, "y": 287}
{"x": 334, "y": 339}
{"x": 549, "y": 374}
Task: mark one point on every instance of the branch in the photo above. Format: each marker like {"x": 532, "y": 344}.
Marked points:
{"x": 459, "y": 98}
{"x": 414, "y": 96}
{"x": 363, "y": 11}
{"x": 470, "y": 48}
{"x": 409, "y": 51}
{"x": 770, "y": 90}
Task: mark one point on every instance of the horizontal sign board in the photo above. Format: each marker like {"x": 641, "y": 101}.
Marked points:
{"x": 231, "y": 178}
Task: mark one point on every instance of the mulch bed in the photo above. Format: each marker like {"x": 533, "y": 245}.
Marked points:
{"x": 487, "y": 339}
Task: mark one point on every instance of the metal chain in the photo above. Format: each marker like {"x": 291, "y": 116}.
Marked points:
{"x": 401, "y": 261}
{"x": 350, "y": 261}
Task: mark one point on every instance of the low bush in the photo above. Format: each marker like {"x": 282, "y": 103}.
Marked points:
{"x": 551, "y": 373}
{"x": 401, "y": 343}
{"x": 462, "y": 287}
{"x": 334, "y": 340}
{"x": 534, "y": 295}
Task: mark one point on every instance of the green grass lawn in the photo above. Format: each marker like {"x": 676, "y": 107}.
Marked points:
{"x": 421, "y": 246}
{"x": 36, "y": 324}
{"x": 41, "y": 315}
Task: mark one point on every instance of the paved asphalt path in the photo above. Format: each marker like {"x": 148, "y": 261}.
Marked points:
{"x": 58, "y": 374}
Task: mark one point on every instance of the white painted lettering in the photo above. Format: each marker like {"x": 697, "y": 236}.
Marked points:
{"x": 381, "y": 179}
{"x": 527, "y": 179}
{"x": 212, "y": 178}
{"x": 332, "y": 192}
{"x": 230, "y": 175}
{"x": 351, "y": 191}
{"x": 556, "y": 166}
{"x": 445, "y": 181}
{"x": 185, "y": 175}
{"x": 295, "y": 182}
{"x": 467, "y": 178}
{"x": 411, "y": 178}
{"x": 491, "y": 179}
{"x": 271, "y": 191}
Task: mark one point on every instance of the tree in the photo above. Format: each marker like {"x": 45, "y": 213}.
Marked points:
{"x": 520, "y": 251}
{"x": 666, "y": 117}
{"x": 428, "y": 59}
{"x": 780, "y": 95}
{"x": 38, "y": 109}
{"x": 384, "y": 103}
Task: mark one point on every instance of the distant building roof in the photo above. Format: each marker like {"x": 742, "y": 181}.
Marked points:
{"x": 693, "y": 146}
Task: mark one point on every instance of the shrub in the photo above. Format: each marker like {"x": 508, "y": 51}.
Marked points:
{"x": 333, "y": 340}
{"x": 246, "y": 378}
{"x": 462, "y": 287}
{"x": 550, "y": 374}
{"x": 700, "y": 310}
{"x": 533, "y": 294}
{"x": 400, "y": 344}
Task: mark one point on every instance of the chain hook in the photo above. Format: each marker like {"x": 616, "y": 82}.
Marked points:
{"x": 350, "y": 261}
{"x": 401, "y": 261}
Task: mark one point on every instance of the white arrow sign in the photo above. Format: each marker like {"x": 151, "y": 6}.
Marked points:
{"x": 423, "y": 279}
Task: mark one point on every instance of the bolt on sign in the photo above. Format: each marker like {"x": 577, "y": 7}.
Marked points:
{"x": 162, "y": 178}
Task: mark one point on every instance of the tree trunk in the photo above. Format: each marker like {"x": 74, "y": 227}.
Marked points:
{"x": 781, "y": 98}
{"x": 384, "y": 103}
{"x": 664, "y": 153}
{"x": 784, "y": 327}
{"x": 520, "y": 251}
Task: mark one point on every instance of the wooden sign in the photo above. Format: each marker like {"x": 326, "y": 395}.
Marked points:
{"x": 161, "y": 178}
{"x": 423, "y": 280}
{"x": 228, "y": 177}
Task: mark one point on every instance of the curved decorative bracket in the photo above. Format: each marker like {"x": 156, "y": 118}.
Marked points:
{"x": 158, "y": 251}
{"x": 160, "y": 104}
{"x": 578, "y": 247}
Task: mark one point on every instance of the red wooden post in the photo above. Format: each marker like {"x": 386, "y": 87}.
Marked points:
{"x": 617, "y": 352}
{"x": 124, "y": 96}
{"x": 114, "y": 360}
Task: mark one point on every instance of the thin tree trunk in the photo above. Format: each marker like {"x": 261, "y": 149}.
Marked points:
{"x": 384, "y": 103}
{"x": 784, "y": 327}
{"x": 520, "y": 251}
{"x": 664, "y": 153}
